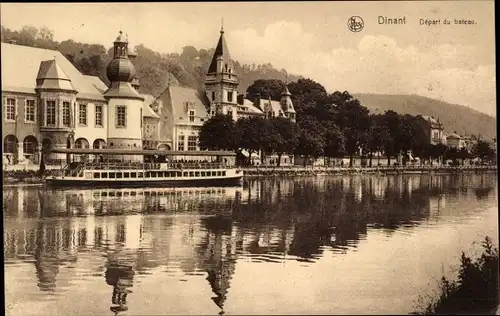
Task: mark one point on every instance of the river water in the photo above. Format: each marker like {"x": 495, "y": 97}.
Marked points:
{"x": 319, "y": 245}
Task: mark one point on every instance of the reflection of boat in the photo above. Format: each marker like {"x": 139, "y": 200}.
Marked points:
{"x": 108, "y": 169}
{"x": 120, "y": 200}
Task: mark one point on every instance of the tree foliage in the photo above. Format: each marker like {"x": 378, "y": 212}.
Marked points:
{"x": 219, "y": 133}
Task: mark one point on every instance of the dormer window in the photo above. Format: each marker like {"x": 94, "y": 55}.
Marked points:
{"x": 191, "y": 116}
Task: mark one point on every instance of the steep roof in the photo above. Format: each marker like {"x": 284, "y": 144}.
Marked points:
{"x": 454, "y": 136}
{"x": 97, "y": 82}
{"x": 51, "y": 76}
{"x": 147, "y": 110}
{"x": 178, "y": 97}
{"x": 249, "y": 107}
{"x": 220, "y": 50}
{"x": 275, "y": 106}
{"x": 20, "y": 66}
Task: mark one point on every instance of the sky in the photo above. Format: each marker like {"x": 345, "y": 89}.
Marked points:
{"x": 454, "y": 62}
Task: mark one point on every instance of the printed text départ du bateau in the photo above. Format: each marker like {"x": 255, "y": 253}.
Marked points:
{"x": 402, "y": 20}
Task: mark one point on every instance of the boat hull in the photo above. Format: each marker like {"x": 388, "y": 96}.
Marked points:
{"x": 69, "y": 182}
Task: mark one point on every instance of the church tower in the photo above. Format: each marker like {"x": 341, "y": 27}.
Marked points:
{"x": 124, "y": 102}
{"x": 221, "y": 82}
{"x": 287, "y": 104}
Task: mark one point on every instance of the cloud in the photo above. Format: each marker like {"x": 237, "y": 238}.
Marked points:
{"x": 378, "y": 64}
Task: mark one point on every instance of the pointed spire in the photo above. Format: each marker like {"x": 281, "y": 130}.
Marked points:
{"x": 221, "y": 50}
{"x": 285, "y": 91}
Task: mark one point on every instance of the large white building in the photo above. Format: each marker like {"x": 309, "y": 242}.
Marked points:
{"x": 48, "y": 103}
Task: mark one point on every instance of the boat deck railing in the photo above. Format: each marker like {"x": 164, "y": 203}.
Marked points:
{"x": 148, "y": 166}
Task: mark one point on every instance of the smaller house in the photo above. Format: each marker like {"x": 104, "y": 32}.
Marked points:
{"x": 455, "y": 141}
{"x": 433, "y": 129}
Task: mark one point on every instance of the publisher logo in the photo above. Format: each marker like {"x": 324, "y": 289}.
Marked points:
{"x": 355, "y": 23}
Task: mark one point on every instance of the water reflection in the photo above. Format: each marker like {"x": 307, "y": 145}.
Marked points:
{"x": 124, "y": 235}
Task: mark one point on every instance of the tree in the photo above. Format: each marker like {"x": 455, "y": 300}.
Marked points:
{"x": 251, "y": 136}
{"x": 463, "y": 154}
{"x": 265, "y": 88}
{"x": 483, "y": 151}
{"x": 378, "y": 135}
{"x": 353, "y": 120}
{"x": 287, "y": 136}
{"x": 392, "y": 145}
{"x": 334, "y": 141}
{"x": 189, "y": 53}
{"x": 305, "y": 96}
{"x": 311, "y": 142}
{"x": 219, "y": 133}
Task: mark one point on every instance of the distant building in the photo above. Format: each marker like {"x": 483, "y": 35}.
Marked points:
{"x": 433, "y": 129}
{"x": 48, "y": 103}
{"x": 455, "y": 141}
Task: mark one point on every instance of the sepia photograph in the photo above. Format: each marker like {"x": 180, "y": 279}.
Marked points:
{"x": 249, "y": 158}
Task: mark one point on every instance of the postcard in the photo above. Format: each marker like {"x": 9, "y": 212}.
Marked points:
{"x": 249, "y": 158}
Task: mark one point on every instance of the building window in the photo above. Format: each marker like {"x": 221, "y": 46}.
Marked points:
{"x": 51, "y": 113}
{"x": 9, "y": 144}
{"x": 66, "y": 114}
{"x": 121, "y": 116}
{"x": 10, "y": 109}
{"x": 142, "y": 119}
{"x": 98, "y": 115}
{"x": 230, "y": 113}
{"x": 230, "y": 96}
{"x": 82, "y": 114}
{"x": 191, "y": 116}
{"x": 180, "y": 143}
{"x": 192, "y": 143}
{"x": 29, "y": 111}
{"x": 29, "y": 145}
{"x": 213, "y": 95}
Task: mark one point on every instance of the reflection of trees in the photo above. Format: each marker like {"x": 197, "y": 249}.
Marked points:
{"x": 338, "y": 213}
{"x": 482, "y": 193}
{"x": 269, "y": 220}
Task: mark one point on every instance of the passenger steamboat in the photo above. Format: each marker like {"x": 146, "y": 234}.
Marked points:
{"x": 112, "y": 167}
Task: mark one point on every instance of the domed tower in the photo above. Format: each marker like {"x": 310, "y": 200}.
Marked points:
{"x": 221, "y": 82}
{"x": 124, "y": 102}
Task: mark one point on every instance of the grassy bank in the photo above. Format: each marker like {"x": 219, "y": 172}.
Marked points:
{"x": 474, "y": 292}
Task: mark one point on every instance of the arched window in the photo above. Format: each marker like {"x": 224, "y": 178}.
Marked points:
{"x": 99, "y": 144}
{"x": 29, "y": 145}
{"x": 81, "y": 143}
{"x": 10, "y": 144}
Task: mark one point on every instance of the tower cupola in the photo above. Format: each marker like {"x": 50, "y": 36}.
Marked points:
{"x": 121, "y": 67}
{"x": 121, "y": 72}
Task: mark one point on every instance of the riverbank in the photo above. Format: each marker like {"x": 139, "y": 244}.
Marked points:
{"x": 474, "y": 292}
{"x": 31, "y": 176}
{"x": 294, "y": 171}
{"x": 22, "y": 177}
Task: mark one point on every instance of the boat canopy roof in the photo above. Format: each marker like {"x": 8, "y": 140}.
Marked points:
{"x": 140, "y": 152}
